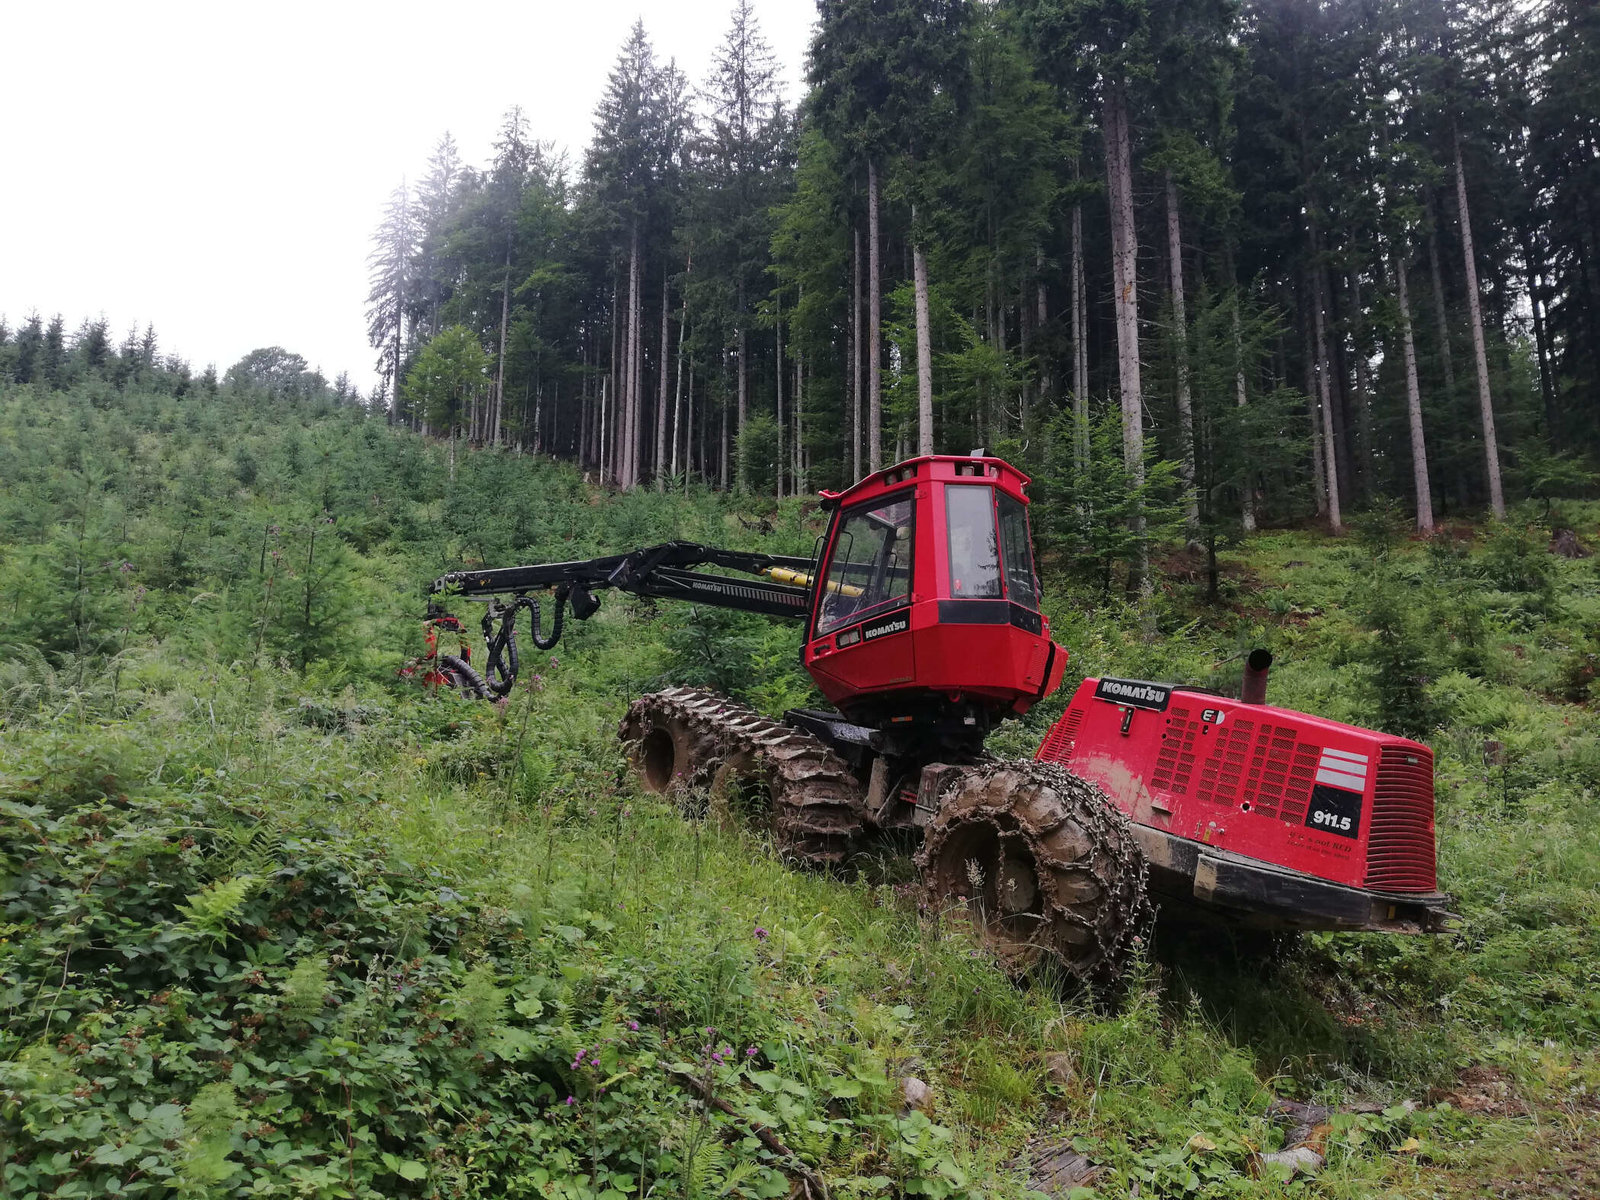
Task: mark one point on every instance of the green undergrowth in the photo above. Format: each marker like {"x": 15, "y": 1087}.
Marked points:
{"x": 277, "y": 922}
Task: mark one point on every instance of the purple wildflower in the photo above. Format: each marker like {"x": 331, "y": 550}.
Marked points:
{"x": 571, "y": 1100}
{"x": 761, "y": 934}
{"x": 749, "y": 1051}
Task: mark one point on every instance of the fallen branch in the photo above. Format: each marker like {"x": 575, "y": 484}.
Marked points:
{"x": 770, "y": 1140}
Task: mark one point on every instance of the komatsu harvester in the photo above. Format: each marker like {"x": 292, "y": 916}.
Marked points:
{"x": 922, "y": 627}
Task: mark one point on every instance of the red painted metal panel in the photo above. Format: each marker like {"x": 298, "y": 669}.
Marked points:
{"x": 995, "y": 656}
{"x": 1345, "y": 804}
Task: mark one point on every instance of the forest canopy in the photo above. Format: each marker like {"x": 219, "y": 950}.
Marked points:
{"x": 1314, "y": 254}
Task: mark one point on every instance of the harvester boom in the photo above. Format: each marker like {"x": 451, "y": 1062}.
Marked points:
{"x": 659, "y": 571}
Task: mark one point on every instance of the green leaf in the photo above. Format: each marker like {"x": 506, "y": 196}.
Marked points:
{"x": 412, "y": 1170}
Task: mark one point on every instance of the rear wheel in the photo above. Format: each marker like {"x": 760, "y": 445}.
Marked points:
{"x": 1042, "y": 866}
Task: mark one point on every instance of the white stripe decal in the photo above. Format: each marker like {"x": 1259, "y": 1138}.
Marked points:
{"x": 1355, "y": 758}
{"x": 1356, "y": 783}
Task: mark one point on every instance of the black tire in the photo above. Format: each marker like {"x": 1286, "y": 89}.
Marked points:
{"x": 1042, "y": 866}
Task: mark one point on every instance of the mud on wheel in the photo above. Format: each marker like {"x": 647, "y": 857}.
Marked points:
{"x": 1046, "y": 866}
{"x": 705, "y": 751}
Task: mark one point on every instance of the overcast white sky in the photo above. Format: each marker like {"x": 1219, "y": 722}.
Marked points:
{"x": 218, "y": 168}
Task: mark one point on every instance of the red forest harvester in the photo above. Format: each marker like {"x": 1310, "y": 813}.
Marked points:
{"x": 923, "y": 628}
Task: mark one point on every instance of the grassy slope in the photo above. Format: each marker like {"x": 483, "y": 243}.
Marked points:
{"x": 557, "y": 907}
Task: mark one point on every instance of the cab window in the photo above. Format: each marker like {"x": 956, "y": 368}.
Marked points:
{"x": 869, "y": 566}
{"x": 1016, "y": 548}
{"x": 974, "y": 549}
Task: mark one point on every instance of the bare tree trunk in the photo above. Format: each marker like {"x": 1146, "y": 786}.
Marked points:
{"x": 854, "y": 343}
{"x": 1541, "y": 339}
{"x": 1330, "y": 455}
{"x": 1125, "y": 283}
{"x": 1491, "y": 449}
{"x": 1080, "y": 345}
{"x": 636, "y": 368}
{"x": 678, "y": 429}
{"x": 394, "y": 399}
{"x": 1337, "y": 381}
{"x": 874, "y": 328}
{"x": 688, "y": 432}
{"x": 623, "y": 400}
{"x": 1362, "y": 400}
{"x": 1041, "y": 315}
{"x": 608, "y": 455}
{"x": 723, "y": 469}
{"x": 1247, "y": 514}
{"x": 604, "y": 445}
{"x": 661, "y": 405}
{"x": 1419, "y": 448}
{"x": 498, "y": 403}
{"x": 799, "y": 422}
{"x": 777, "y": 342}
{"x": 1319, "y": 479}
{"x": 1180, "y": 331}
{"x": 1441, "y": 315}
{"x": 919, "y": 271}
{"x": 739, "y": 468}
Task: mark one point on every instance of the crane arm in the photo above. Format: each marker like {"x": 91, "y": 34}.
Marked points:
{"x": 663, "y": 571}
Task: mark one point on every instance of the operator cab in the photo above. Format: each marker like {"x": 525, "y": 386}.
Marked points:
{"x": 927, "y": 597}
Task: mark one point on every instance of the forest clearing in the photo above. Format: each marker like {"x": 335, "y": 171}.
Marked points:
{"x": 1274, "y": 326}
{"x": 279, "y": 922}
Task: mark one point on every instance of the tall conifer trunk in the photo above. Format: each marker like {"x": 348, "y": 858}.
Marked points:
{"x": 799, "y": 420}
{"x": 777, "y": 343}
{"x": 1319, "y": 478}
{"x": 723, "y": 468}
{"x": 1440, "y": 312}
{"x": 681, "y": 432}
{"x": 662, "y": 412}
{"x": 500, "y": 368}
{"x": 1491, "y": 449}
{"x": 1419, "y": 447}
{"x": 1247, "y": 501}
{"x": 635, "y": 364}
{"x": 1041, "y": 314}
{"x": 1330, "y": 457}
{"x": 739, "y": 466}
{"x": 874, "y": 327}
{"x": 919, "y": 271}
{"x": 1362, "y": 400}
{"x": 608, "y": 386}
{"x": 1541, "y": 339}
{"x": 1125, "y": 282}
{"x": 855, "y": 353}
{"x": 1180, "y": 335}
{"x": 1080, "y": 345}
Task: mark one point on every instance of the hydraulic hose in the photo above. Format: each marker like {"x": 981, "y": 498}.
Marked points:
{"x": 502, "y": 661}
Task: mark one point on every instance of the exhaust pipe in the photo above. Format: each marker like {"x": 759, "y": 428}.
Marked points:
{"x": 1253, "y": 689}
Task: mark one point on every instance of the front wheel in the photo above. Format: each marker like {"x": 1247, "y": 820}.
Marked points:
{"x": 1042, "y": 866}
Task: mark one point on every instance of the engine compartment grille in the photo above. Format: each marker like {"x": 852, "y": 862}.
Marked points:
{"x": 1400, "y": 844}
{"x": 1265, "y": 766}
{"x": 1060, "y": 741}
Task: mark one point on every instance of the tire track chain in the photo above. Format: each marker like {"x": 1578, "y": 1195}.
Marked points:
{"x": 1092, "y": 875}
{"x": 817, "y": 803}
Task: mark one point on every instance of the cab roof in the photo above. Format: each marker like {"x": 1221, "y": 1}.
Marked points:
{"x": 945, "y": 468}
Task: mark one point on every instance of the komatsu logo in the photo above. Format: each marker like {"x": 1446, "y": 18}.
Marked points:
{"x": 1135, "y": 693}
{"x": 881, "y": 628}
